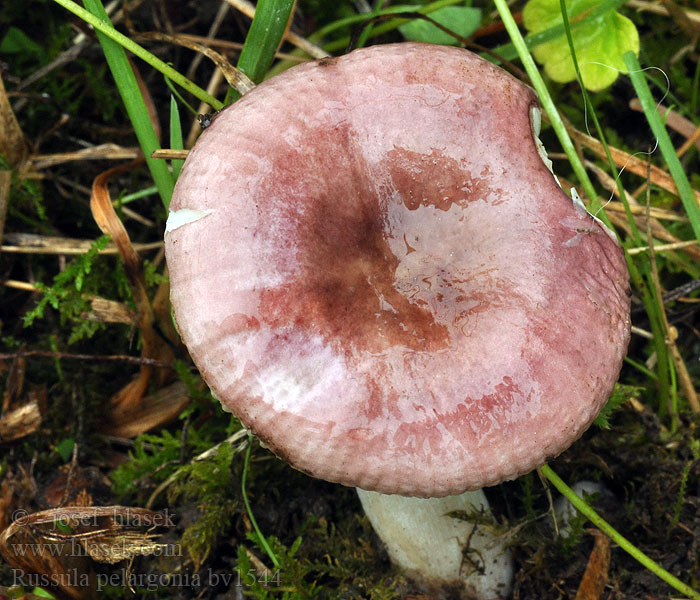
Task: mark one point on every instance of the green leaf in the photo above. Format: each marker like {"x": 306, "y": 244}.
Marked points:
{"x": 16, "y": 42}
{"x": 620, "y": 395}
{"x": 65, "y": 449}
{"x": 599, "y": 43}
{"x": 463, "y": 20}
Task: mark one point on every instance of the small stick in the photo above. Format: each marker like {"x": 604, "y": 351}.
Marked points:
{"x": 134, "y": 360}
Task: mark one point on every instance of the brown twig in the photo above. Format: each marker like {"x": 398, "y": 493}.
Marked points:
{"x": 133, "y": 360}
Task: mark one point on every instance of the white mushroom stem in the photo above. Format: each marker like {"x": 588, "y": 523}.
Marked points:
{"x": 442, "y": 553}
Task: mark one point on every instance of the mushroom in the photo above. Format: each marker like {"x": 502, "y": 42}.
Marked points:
{"x": 374, "y": 268}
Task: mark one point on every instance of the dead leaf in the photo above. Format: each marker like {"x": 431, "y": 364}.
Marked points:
{"x": 74, "y": 485}
{"x": 595, "y": 577}
{"x": 20, "y": 422}
{"x": 156, "y": 409}
{"x": 14, "y": 383}
{"x": 110, "y": 311}
{"x": 6, "y": 494}
{"x": 12, "y": 144}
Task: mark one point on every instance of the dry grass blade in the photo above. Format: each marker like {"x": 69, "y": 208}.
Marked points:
{"x": 631, "y": 163}
{"x": 214, "y": 28}
{"x": 101, "y": 152}
{"x": 216, "y": 76}
{"x": 106, "y": 218}
{"x": 31, "y": 243}
{"x": 235, "y": 46}
{"x": 659, "y": 9}
{"x": 111, "y": 548}
{"x": 675, "y": 121}
{"x": 212, "y": 88}
{"x": 681, "y": 18}
{"x": 103, "y": 310}
{"x": 693, "y": 139}
{"x": 127, "y": 405}
{"x": 236, "y": 78}
{"x": 158, "y": 408}
{"x": 641, "y": 215}
{"x": 655, "y": 213}
{"x": 14, "y": 382}
{"x": 689, "y": 245}
{"x": 170, "y": 154}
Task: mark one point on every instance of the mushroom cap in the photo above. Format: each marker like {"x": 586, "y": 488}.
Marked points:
{"x": 374, "y": 270}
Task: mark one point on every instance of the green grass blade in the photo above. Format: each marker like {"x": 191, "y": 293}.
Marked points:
{"x": 175, "y": 136}
{"x": 367, "y": 31}
{"x": 585, "y": 509}
{"x": 685, "y": 191}
{"x": 650, "y": 300}
{"x": 134, "y": 104}
{"x": 546, "y": 100}
{"x": 102, "y": 25}
{"x": 178, "y": 95}
{"x": 249, "y": 510}
{"x": 263, "y": 39}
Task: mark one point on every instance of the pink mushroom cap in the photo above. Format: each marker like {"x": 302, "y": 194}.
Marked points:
{"x": 382, "y": 279}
